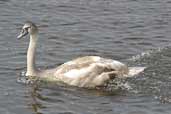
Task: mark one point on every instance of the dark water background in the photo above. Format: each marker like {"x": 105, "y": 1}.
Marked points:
{"x": 137, "y": 32}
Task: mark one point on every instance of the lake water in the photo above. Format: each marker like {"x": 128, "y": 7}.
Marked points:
{"x": 137, "y": 32}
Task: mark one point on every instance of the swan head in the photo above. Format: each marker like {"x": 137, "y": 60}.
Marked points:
{"x": 28, "y": 28}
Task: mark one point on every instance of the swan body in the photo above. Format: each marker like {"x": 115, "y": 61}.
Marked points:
{"x": 88, "y": 71}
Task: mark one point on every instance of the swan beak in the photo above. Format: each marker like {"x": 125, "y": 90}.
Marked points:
{"x": 23, "y": 33}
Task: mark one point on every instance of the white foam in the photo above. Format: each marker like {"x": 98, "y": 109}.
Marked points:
{"x": 147, "y": 54}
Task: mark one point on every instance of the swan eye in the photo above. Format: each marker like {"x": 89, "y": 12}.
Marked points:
{"x": 26, "y": 29}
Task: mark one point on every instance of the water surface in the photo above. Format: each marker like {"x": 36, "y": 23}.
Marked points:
{"x": 133, "y": 31}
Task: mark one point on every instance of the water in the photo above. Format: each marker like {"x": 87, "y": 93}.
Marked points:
{"x": 134, "y": 31}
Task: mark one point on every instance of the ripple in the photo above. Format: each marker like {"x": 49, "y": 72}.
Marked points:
{"x": 145, "y": 43}
{"x": 72, "y": 28}
{"x": 134, "y": 38}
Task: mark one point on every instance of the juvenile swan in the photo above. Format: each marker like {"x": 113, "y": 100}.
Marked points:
{"x": 88, "y": 71}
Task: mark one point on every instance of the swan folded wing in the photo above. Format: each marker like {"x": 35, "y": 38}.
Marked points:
{"x": 91, "y": 72}
{"x": 93, "y": 75}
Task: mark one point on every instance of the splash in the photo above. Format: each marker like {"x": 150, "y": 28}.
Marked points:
{"x": 163, "y": 99}
{"x": 147, "y": 54}
{"x": 117, "y": 85}
{"x": 23, "y": 79}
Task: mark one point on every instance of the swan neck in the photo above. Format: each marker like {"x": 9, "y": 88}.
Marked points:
{"x": 31, "y": 53}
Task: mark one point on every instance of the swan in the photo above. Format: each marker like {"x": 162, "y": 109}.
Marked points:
{"x": 88, "y": 71}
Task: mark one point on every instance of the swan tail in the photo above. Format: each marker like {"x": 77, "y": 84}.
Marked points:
{"x": 133, "y": 71}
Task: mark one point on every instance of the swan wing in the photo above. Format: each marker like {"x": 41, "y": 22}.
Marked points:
{"x": 89, "y": 71}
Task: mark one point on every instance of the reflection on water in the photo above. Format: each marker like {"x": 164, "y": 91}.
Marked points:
{"x": 37, "y": 95}
{"x": 133, "y": 31}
